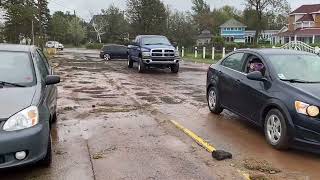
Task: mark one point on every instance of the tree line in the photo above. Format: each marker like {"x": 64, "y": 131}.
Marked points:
{"x": 113, "y": 25}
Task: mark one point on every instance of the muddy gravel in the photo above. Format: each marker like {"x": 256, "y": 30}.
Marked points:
{"x": 113, "y": 123}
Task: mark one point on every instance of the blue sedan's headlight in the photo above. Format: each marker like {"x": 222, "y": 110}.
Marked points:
{"x": 306, "y": 109}
{"x": 24, "y": 119}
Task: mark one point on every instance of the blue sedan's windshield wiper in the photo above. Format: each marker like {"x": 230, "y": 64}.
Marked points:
{"x": 299, "y": 81}
{"x": 3, "y": 83}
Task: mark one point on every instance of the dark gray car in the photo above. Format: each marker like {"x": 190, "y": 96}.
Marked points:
{"x": 28, "y": 106}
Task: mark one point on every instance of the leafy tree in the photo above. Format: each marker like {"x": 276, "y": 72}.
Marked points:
{"x": 147, "y": 16}
{"x": 181, "y": 29}
{"x": 223, "y": 14}
{"x": 76, "y": 32}
{"x": 58, "y": 27}
{"x": 263, "y": 6}
{"x": 19, "y": 17}
{"x": 116, "y": 26}
{"x": 202, "y": 15}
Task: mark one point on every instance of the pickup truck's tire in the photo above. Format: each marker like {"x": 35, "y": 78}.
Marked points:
{"x": 130, "y": 62}
{"x": 141, "y": 67}
{"x": 175, "y": 68}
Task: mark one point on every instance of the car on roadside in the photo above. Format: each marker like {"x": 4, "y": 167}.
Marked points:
{"x": 113, "y": 51}
{"x": 276, "y": 89}
{"x": 28, "y": 106}
{"x": 54, "y": 44}
{"x": 153, "y": 51}
{"x": 60, "y": 46}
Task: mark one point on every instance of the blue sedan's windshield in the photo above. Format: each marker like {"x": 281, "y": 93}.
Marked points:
{"x": 299, "y": 68}
{"x": 157, "y": 40}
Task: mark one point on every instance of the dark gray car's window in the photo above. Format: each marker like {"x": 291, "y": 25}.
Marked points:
{"x": 234, "y": 61}
{"x": 16, "y": 67}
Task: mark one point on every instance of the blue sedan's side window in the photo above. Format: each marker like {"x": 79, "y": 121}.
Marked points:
{"x": 234, "y": 61}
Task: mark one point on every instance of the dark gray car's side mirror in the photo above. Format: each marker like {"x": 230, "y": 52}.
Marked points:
{"x": 52, "y": 79}
{"x": 256, "y": 76}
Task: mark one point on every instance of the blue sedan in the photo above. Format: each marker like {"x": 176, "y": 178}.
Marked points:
{"x": 276, "y": 89}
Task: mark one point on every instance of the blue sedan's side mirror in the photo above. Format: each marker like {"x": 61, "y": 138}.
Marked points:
{"x": 256, "y": 76}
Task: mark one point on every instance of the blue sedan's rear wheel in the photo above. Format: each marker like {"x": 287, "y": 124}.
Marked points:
{"x": 214, "y": 101}
{"x": 275, "y": 128}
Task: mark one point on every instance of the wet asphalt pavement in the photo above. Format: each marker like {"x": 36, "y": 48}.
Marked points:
{"x": 113, "y": 123}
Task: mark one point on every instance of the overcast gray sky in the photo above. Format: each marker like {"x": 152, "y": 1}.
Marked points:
{"x": 83, "y": 7}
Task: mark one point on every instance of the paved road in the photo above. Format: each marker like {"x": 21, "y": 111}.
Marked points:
{"x": 114, "y": 124}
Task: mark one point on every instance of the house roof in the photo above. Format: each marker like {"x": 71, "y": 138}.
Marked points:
{"x": 306, "y": 17}
{"x": 302, "y": 32}
{"x": 307, "y": 9}
{"x": 232, "y": 23}
{"x": 205, "y": 34}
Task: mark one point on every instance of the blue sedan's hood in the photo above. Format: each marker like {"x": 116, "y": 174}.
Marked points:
{"x": 313, "y": 89}
{"x": 149, "y": 47}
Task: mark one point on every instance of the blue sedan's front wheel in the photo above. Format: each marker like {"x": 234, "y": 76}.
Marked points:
{"x": 275, "y": 128}
{"x": 214, "y": 101}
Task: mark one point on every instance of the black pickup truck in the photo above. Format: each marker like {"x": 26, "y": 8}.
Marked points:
{"x": 153, "y": 51}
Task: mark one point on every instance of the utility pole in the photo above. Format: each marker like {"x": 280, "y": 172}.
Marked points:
{"x": 32, "y": 32}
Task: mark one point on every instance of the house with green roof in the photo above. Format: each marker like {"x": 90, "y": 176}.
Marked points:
{"x": 233, "y": 31}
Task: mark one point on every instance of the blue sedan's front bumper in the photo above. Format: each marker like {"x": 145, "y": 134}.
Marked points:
{"x": 34, "y": 141}
{"x": 307, "y": 133}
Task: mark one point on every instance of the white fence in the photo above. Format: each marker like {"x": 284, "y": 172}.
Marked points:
{"x": 295, "y": 45}
{"x": 301, "y": 46}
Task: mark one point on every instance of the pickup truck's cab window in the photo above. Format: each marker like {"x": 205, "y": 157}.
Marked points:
{"x": 234, "y": 61}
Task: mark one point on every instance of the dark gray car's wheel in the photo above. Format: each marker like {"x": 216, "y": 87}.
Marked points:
{"x": 107, "y": 57}
{"x": 275, "y": 129}
{"x": 175, "y": 68}
{"x": 47, "y": 160}
{"x": 130, "y": 62}
{"x": 214, "y": 101}
{"x": 141, "y": 66}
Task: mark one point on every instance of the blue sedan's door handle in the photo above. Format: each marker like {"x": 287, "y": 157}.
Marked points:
{"x": 238, "y": 82}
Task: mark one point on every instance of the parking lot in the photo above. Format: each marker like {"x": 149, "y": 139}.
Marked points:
{"x": 114, "y": 123}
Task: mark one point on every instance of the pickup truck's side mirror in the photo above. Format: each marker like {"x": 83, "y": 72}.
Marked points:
{"x": 174, "y": 44}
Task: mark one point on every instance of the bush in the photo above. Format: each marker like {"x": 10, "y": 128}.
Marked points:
{"x": 315, "y": 44}
{"x": 94, "y": 45}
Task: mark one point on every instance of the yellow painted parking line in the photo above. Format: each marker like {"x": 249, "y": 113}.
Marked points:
{"x": 195, "y": 137}
{"x": 245, "y": 175}
{"x": 204, "y": 144}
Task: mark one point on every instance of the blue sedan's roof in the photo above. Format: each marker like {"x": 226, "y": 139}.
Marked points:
{"x": 16, "y": 47}
{"x": 276, "y": 51}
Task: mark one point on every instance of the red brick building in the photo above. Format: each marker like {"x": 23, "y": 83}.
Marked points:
{"x": 304, "y": 25}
